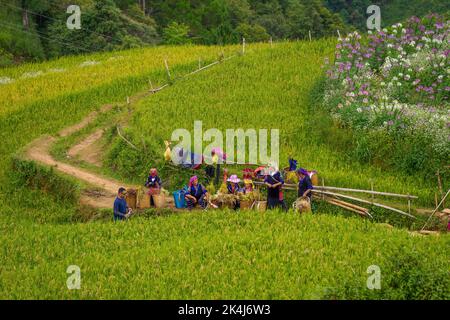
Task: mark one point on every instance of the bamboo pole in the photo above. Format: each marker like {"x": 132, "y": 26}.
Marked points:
{"x": 129, "y": 143}
{"x": 346, "y": 207}
{"x": 367, "y": 191}
{"x": 435, "y": 210}
{"x": 348, "y": 204}
{"x": 364, "y": 201}
{"x": 167, "y": 68}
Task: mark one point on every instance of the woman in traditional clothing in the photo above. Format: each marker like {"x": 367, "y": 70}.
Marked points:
{"x": 196, "y": 195}
{"x": 153, "y": 184}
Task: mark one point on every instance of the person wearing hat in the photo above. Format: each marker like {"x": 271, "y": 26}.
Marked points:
{"x": 274, "y": 183}
{"x": 197, "y": 194}
{"x": 305, "y": 184}
{"x": 121, "y": 210}
{"x": 233, "y": 184}
{"x": 154, "y": 184}
{"x": 248, "y": 186}
{"x": 234, "y": 188}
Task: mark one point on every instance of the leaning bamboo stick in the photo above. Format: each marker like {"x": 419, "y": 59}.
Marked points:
{"x": 364, "y": 201}
{"x": 367, "y": 191}
{"x": 345, "y": 207}
{"x": 348, "y": 204}
{"x": 290, "y": 186}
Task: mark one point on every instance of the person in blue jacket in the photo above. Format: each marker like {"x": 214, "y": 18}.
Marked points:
{"x": 305, "y": 184}
{"x": 121, "y": 210}
{"x": 196, "y": 195}
{"x": 274, "y": 183}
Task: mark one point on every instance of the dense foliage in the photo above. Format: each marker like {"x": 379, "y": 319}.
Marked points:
{"x": 36, "y": 29}
{"x": 395, "y": 92}
{"x": 110, "y": 25}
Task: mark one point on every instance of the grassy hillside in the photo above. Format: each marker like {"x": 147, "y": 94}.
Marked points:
{"x": 201, "y": 255}
{"x": 271, "y": 89}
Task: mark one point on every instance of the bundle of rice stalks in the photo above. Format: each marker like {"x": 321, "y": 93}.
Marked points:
{"x": 224, "y": 199}
{"x": 291, "y": 177}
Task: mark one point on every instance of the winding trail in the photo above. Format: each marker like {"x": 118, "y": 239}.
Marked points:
{"x": 39, "y": 151}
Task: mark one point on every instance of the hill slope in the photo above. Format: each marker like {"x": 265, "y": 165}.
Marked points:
{"x": 201, "y": 255}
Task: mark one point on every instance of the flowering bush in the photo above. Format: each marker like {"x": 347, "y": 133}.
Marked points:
{"x": 396, "y": 81}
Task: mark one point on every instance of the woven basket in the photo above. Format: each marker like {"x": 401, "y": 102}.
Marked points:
{"x": 131, "y": 198}
{"x": 159, "y": 200}
{"x": 143, "y": 200}
{"x": 246, "y": 204}
{"x": 260, "y": 206}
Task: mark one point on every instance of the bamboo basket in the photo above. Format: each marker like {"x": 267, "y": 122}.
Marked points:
{"x": 143, "y": 200}
{"x": 131, "y": 198}
{"x": 302, "y": 205}
{"x": 260, "y": 206}
{"x": 246, "y": 204}
{"x": 159, "y": 200}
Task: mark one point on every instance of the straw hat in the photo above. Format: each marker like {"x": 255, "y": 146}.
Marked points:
{"x": 234, "y": 179}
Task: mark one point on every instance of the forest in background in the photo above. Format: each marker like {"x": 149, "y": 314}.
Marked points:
{"x": 35, "y": 30}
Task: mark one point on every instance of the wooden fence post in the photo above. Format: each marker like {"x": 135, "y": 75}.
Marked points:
{"x": 310, "y": 37}
{"x": 167, "y": 68}
{"x": 243, "y": 45}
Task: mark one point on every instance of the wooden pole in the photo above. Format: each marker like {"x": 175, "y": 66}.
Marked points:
{"x": 271, "y": 42}
{"x": 243, "y": 45}
{"x": 437, "y": 207}
{"x": 441, "y": 191}
{"x": 409, "y": 205}
{"x": 435, "y": 199}
{"x": 323, "y": 185}
{"x": 371, "y": 187}
{"x": 364, "y": 201}
{"x": 369, "y": 191}
{"x": 167, "y": 68}
{"x": 151, "y": 85}
{"x": 310, "y": 37}
{"x": 361, "y": 213}
{"x": 339, "y": 35}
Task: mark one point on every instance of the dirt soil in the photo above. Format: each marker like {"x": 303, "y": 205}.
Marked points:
{"x": 39, "y": 151}
{"x": 89, "y": 150}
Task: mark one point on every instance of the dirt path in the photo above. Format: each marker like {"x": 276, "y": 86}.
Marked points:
{"x": 39, "y": 151}
{"x": 89, "y": 150}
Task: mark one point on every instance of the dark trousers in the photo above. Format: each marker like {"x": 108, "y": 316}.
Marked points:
{"x": 216, "y": 182}
{"x": 200, "y": 201}
{"x": 273, "y": 203}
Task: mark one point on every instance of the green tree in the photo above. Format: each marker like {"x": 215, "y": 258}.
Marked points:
{"x": 252, "y": 33}
{"x": 176, "y": 33}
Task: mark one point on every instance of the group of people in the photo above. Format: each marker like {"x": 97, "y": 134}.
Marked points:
{"x": 197, "y": 195}
{"x": 274, "y": 183}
